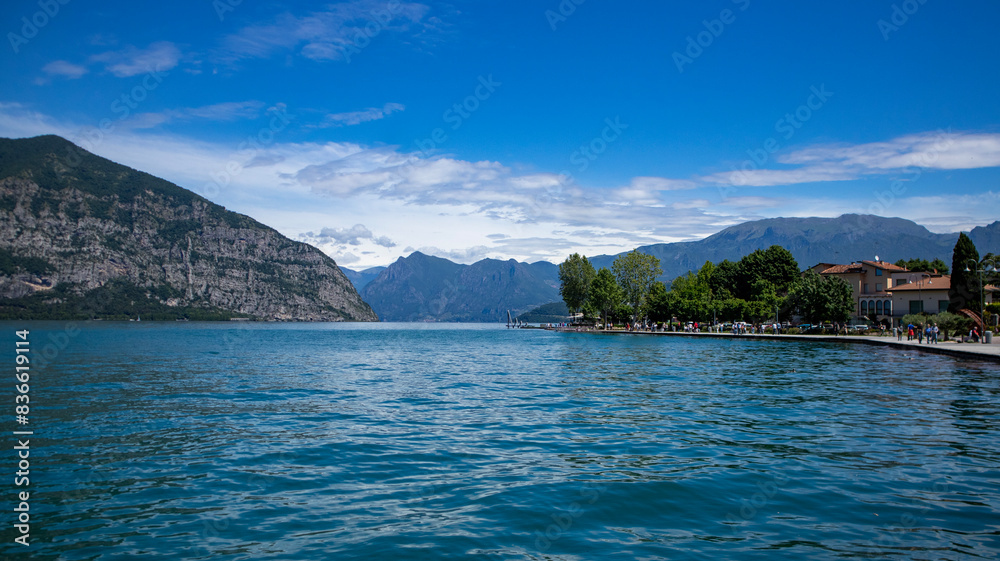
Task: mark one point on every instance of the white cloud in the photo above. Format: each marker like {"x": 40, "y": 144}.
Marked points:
{"x": 934, "y": 150}
{"x": 64, "y": 69}
{"x": 130, "y": 61}
{"x": 466, "y": 210}
{"x": 358, "y": 117}
{"x": 940, "y": 150}
{"x": 776, "y": 177}
{"x": 227, "y": 111}
{"x": 354, "y": 235}
{"x": 329, "y": 35}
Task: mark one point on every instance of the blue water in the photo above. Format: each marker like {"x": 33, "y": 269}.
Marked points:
{"x": 360, "y": 441}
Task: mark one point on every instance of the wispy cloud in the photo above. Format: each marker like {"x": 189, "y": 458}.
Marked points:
{"x": 940, "y": 150}
{"x": 218, "y": 112}
{"x": 64, "y": 69}
{"x": 130, "y": 61}
{"x": 358, "y": 117}
{"x": 322, "y": 35}
{"x": 354, "y": 235}
{"x": 933, "y": 150}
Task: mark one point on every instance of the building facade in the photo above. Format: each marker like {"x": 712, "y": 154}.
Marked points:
{"x": 871, "y": 283}
{"x": 927, "y": 294}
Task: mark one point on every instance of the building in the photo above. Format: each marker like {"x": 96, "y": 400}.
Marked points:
{"x": 871, "y": 282}
{"x": 928, "y": 293}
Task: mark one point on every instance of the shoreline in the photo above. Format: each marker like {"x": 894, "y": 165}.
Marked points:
{"x": 980, "y": 351}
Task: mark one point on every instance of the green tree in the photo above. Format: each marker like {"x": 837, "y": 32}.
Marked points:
{"x": 605, "y": 295}
{"x": 964, "y": 291}
{"x": 658, "y": 303}
{"x": 723, "y": 281}
{"x": 774, "y": 264}
{"x": 923, "y": 265}
{"x": 575, "y": 277}
{"x": 820, "y": 299}
{"x": 764, "y": 300}
{"x": 636, "y": 272}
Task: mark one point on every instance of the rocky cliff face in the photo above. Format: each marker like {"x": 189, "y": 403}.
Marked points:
{"x": 75, "y": 222}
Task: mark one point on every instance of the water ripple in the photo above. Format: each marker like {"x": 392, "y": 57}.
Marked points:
{"x": 208, "y": 441}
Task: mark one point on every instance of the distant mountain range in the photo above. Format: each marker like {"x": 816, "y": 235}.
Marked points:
{"x": 360, "y": 279}
{"x": 847, "y": 238}
{"x": 424, "y": 288}
{"x": 84, "y": 237}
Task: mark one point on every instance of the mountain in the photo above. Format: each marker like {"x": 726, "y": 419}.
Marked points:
{"x": 556, "y": 312}
{"x": 850, "y": 237}
{"x": 81, "y": 236}
{"x": 425, "y": 288}
{"x": 360, "y": 279}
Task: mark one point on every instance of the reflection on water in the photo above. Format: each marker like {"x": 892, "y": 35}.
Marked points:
{"x": 310, "y": 441}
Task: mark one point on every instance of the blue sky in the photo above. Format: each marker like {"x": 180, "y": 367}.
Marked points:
{"x": 525, "y": 129}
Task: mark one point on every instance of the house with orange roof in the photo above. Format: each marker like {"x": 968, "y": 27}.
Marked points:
{"x": 927, "y": 293}
{"x": 871, "y": 282}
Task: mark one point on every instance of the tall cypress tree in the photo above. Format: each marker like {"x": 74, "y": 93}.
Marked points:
{"x": 964, "y": 292}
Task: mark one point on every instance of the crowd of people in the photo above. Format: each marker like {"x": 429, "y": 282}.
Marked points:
{"x": 921, "y": 333}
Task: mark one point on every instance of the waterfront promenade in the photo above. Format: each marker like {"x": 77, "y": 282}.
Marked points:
{"x": 980, "y": 351}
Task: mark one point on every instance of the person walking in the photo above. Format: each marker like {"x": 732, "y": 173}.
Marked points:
{"x": 920, "y": 335}
{"x": 934, "y": 332}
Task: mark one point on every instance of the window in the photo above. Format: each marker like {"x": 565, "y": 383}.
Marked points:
{"x": 878, "y": 272}
{"x": 887, "y": 308}
{"x": 878, "y": 307}
{"x": 864, "y": 307}
{"x": 865, "y": 291}
{"x": 916, "y": 306}
{"x": 878, "y": 287}
{"x": 943, "y": 305}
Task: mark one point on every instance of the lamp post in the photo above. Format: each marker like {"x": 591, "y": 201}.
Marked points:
{"x": 920, "y": 288}
{"x": 987, "y": 266}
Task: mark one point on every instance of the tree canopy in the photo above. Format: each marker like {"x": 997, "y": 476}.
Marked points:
{"x": 923, "y": 265}
{"x": 605, "y": 296}
{"x": 575, "y": 277}
{"x": 820, "y": 299}
{"x": 636, "y": 272}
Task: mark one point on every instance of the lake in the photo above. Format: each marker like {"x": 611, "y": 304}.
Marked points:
{"x": 428, "y": 441}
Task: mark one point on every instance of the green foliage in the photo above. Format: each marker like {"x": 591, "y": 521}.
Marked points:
{"x": 636, "y": 272}
{"x": 822, "y": 299}
{"x": 923, "y": 265}
{"x": 605, "y": 295}
{"x": 774, "y": 264}
{"x": 8, "y": 203}
{"x": 116, "y": 300}
{"x": 993, "y": 308}
{"x": 658, "y": 303}
{"x": 964, "y": 291}
{"x": 175, "y": 231}
{"x": 949, "y": 324}
{"x": 724, "y": 278}
{"x": 11, "y": 264}
{"x": 575, "y": 276}
{"x": 691, "y": 297}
